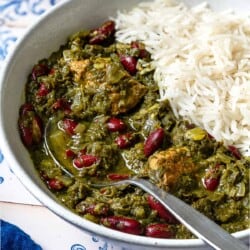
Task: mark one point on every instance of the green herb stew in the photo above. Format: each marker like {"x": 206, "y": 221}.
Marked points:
{"x": 91, "y": 114}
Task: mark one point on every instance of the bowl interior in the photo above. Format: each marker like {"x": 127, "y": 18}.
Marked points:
{"x": 41, "y": 40}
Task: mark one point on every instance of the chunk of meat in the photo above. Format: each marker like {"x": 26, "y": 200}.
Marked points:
{"x": 96, "y": 75}
{"x": 170, "y": 164}
{"x": 79, "y": 68}
{"x": 124, "y": 100}
{"x": 107, "y": 77}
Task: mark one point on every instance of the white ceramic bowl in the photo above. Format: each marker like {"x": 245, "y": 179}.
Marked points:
{"x": 44, "y": 37}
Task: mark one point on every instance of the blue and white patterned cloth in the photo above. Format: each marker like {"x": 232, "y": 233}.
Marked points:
{"x": 15, "y": 17}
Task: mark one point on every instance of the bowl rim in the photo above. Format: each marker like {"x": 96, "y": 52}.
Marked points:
{"x": 55, "y": 206}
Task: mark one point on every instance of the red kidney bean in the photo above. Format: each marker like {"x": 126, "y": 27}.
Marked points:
{"x": 70, "y": 153}
{"x": 97, "y": 39}
{"x": 235, "y": 152}
{"x": 158, "y": 231}
{"x": 117, "y": 177}
{"x": 26, "y": 134}
{"x": 55, "y": 184}
{"x": 59, "y": 104}
{"x": 30, "y": 125}
{"x": 116, "y": 125}
{"x": 154, "y": 141}
{"x": 107, "y": 28}
{"x": 82, "y": 151}
{"x": 43, "y": 90}
{"x": 69, "y": 126}
{"x": 129, "y": 63}
{"x": 94, "y": 209}
{"x": 62, "y": 104}
{"x": 39, "y": 70}
{"x": 52, "y": 71}
{"x": 211, "y": 183}
{"x": 123, "y": 224}
{"x": 190, "y": 125}
{"x": 98, "y": 210}
{"x": 142, "y": 52}
{"x": 162, "y": 211}
{"x": 124, "y": 140}
{"x": 101, "y": 34}
{"x": 85, "y": 161}
{"x": 30, "y": 130}
{"x": 25, "y": 108}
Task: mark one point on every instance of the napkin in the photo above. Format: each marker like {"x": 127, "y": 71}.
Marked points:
{"x": 13, "y": 238}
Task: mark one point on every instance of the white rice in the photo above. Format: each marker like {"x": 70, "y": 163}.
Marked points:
{"x": 202, "y": 63}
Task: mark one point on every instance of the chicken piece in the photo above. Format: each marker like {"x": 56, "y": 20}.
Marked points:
{"x": 123, "y": 101}
{"x": 168, "y": 165}
{"x": 79, "y": 68}
{"x": 96, "y": 75}
{"x": 107, "y": 77}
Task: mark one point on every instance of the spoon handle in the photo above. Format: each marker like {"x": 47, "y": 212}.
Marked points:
{"x": 196, "y": 222}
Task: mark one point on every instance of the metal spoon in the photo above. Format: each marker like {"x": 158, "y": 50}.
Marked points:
{"x": 46, "y": 143}
{"x": 197, "y": 223}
